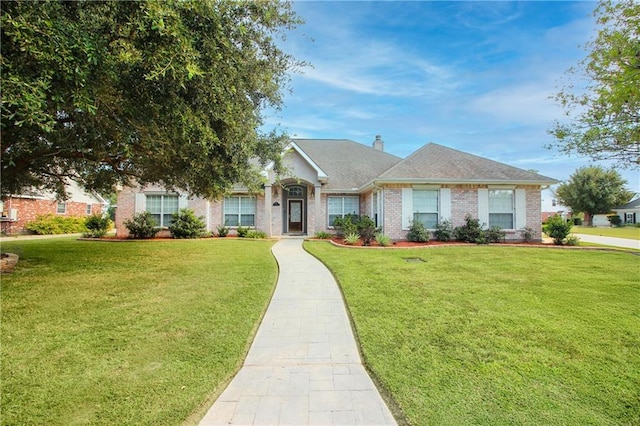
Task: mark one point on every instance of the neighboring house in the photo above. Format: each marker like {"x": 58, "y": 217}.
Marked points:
{"x": 332, "y": 178}
{"x": 630, "y": 212}
{"x": 18, "y": 210}
{"x": 552, "y": 207}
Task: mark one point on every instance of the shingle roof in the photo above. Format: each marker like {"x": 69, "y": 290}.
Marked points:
{"x": 634, "y": 204}
{"x": 348, "y": 164}
{"x": 436, "y": 163}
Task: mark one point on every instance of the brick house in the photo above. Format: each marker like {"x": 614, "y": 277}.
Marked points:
{"x": 18, "y": 210}
{"x": 332, "y": 178}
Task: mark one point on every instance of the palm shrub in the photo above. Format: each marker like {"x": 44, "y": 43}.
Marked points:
{"x": 557, "y": 228}
{"x": 142, "y": 225}
{"x": 382, "y": 240}
{"x": 352, "y": 239}
{"x": 366, "y": 230}
{"x": 223, "y": 231}
{"x": 254, "y": 233}
{"x": 185, "y": 224}
{"x": 322, "y": 235}
{"x": 97, "y": 226}
{"x": 242, "y": 231}
{"x": 417, "y": 232}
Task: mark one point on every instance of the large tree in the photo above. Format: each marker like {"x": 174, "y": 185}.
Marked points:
{"x": 593, "y": 190}
{"x": 604, "y": 116}
{"x": 166, "y": 91}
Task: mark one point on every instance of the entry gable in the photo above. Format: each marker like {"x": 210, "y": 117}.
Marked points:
{"x": 300, "y": 165}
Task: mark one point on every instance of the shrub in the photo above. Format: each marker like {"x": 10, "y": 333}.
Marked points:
{"x": 352, "y": 239}
{"x": 572, "y": 240}
{"x": 97, "y": 226}
{"x": 185, "y": 224}
{"x": 323, "y": 235}
{"x": 223, "y": 231}
{"x": 366, "y": 229}
{"x": 417, "y": 233}
{"x": 495, "y": 234}
{"x": 557, "y": 228}
{"x": 615, "y": 220}
{"x": 382, "y": 240}
{"x": 345, "y": 225}
{"x": 254, "y": 233}
{"x": 470, "y": 232}
{"x": 242, "y": 231}
{"x": 49, "y": 224}
{"x": 142, "y": 225}
{"x": 528, "y": 234}
{"x": 444, "y": 231}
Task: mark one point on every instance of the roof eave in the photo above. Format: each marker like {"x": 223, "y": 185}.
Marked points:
{"x": 449, "y": 181}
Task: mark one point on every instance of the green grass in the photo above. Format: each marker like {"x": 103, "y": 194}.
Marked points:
{"x": 127, "y": 333}
{"x": 496, "y": 335}
{"x": 628, "y": 232}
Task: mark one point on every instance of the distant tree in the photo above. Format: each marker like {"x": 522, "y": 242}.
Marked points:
{"x": 593, "y": 190}
{"x": 162, "y": 91}
{"x": 604, "y": 117}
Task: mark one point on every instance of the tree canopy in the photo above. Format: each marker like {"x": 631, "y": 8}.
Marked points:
{"x": 159, "y": 91}
{"x": 593, "y": 190}
{"x": 604, "y": 117}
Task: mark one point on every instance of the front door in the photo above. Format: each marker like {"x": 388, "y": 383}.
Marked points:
{"x": 295, "y": 216}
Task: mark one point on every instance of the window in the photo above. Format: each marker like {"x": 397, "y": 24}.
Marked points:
{"x": 425, "y": 207}
{"x": 88, "y": 209}
{"x": 342, "y": 206}
{"x": 162, "y": 207}
{"x": 61, "y": 208}
{"x": 501, "y": 208}
{"x": 240, "y": 211}
{"x": 628, "y": 218}
{"x": 295, "y": 192}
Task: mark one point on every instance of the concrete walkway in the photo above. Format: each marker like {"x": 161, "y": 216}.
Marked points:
{"x": 609, "y": 241}
{"x": 303, "y": 367}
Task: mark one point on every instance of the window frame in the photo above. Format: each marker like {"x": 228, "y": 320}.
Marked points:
{"x": 342, "y": 213}
{"x": 89, "y": 209}
{"x": 436, "y": 212}
{"x": 64, "y": 207}
{"x": 163, "y": 212}
{"x": 239, "y": 214}
{"x": 492, "y": 209}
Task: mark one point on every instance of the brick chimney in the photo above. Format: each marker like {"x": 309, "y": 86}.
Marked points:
{"x": 378, "y": 143}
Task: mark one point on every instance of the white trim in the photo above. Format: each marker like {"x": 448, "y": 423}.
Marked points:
{"x": 445, "y": 203}
{"x": 407, "y": 208}
{"x": 483, "y": 206}
{"x": 521, "y": 209}
{"x": 140, "y": 203}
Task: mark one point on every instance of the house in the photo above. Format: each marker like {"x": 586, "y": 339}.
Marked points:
{"x": 18, "y": 210}
{"x": 331, "y": 178}
{"x": 630, "y": 212}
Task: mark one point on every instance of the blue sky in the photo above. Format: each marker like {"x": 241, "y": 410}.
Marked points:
{"x": 474, "y": 76}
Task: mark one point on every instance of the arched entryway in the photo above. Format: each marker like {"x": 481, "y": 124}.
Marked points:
{"x": 294, "y": 219}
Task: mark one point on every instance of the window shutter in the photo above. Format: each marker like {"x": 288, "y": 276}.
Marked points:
{"x": 483, "y": 206}
{"x": 140, "y": 203}
{"x": 407, "y": 207}
{"x": 445, "y": 204}
{"x": 183, "y": 201}
{"x": 521, "y": 209}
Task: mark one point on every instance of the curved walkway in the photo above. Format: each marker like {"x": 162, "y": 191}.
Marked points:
{"x": 303, "y": 367}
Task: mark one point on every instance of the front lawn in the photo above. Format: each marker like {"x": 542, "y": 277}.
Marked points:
{"x": 497, "y": 335}
{"x": 127, "y": 333}
{"x": 629, "y": 232}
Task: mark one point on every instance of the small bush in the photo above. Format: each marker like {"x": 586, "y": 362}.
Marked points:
{"x": 345, "y": 225}
{"x": 495, "y": 234}
{"x": 470, "y": 232}
{"x": 417, "y": 233}
{"x": 242, "y": 231}
{"x": 352, "y": 239}
{"x": 142, "y": 225}
{"x": 444, "y": 231}
{"x": 97, "y": 226}
{"x": 528, "y": 234}
{"x": 557, "y": 228}
{"x": 382, "y": 240}
{"x": 254, "y": 233}
{"x": 615, "y": 220}
{"x": 223, "y": 231}
{"x": 50, "y": 224}
{"x": 366, "y": 229}
{"x": 323, "y": 235}
{"x": 572, "y": 240}
{"x": 185, "y": 224}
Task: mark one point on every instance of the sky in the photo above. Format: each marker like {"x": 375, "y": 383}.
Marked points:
{"x": 470, "y": 75}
